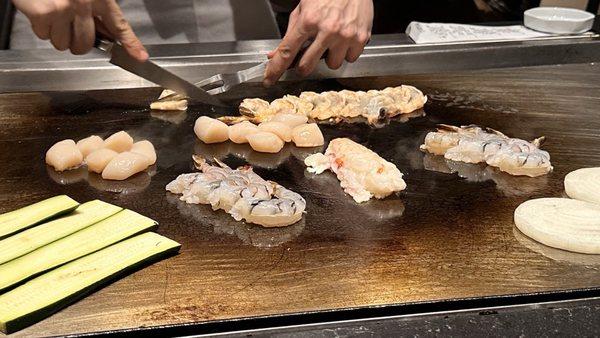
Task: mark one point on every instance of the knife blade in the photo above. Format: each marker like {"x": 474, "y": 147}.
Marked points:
{"x": 154, "y": 73}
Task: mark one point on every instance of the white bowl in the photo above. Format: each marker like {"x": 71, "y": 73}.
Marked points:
{"x": 559, "y": 20}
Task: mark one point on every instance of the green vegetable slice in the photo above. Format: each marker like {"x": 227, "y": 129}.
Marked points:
{"x": 48, "y": 293}
{"x": 33, "y": 238}
{"x": 116, "y": 228}
{"x": 26, "y": 217}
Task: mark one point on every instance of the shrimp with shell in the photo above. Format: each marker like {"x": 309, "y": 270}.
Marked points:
{"x": 473, "y": 144}
{"x": 240, "y": 192}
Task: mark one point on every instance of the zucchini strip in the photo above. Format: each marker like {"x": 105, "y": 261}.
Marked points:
{"x": 26, "y": 217}
{"x": 50, "y": 292}
{"x": 116, "y": 228}
{"x": 31, "y": 239}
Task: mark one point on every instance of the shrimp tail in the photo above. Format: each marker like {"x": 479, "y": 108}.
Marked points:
{"x": 539, "y": 141}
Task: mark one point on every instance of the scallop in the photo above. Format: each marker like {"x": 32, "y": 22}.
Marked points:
{"x": 119, "y": 142}
{"x": 307, "y": 135}
{"x": 125, "y": 165}
{"x": 89, "y": 144}
{"x": 292, "y": 120}
{"x": 97, "y": 160}
{"x": 145, "y": 148}
{"x": 211, "y": 130}
{"x": 278, "y": 128}
{"x": 239, "y": 132}
{"x": 265, "y": 142}
{"x": 64, "y": 155}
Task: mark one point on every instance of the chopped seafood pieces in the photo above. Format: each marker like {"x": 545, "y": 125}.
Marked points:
{"x": 472, "y": 144}
{"x": 292, "y": 120}
{"x": 278, "y": 128}
{"x": 241, "y": 193}
{"x": 210, "y": 130}
{"x": 90, "y": 144}
{"x": 64, "y": 155}
{"x": 307, "y": 135}
{"x": 125, "y": 165}
{"x": 145, "y": 148}
{"x": 175, "y": 102}
{"x": 265, "y": 142}
{"x": 362, "y": 173}
{"x": 373, "y": 105}
{"x": 97, "y": 160}
{"x": 119, "y": 142}
{"x": 238, "y": 133}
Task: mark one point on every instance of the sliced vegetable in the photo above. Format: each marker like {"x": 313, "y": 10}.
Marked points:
{"x": 120, "y": 226}
{"x": 48, "y": 293}
{"x": 26, "y": 217}
{"x": 31, "y": 239}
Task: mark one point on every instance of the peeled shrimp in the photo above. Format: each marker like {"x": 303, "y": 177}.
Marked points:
{"x": 472, "y": 144}
{"x": 241, "y": 193}
{"x": 211, "y": 130}
{"x": 97, "y": 160}
{"x": 265, "y": 142}
{"x": 373, "y": 105}
{"x": 89, "y": 144}
{"x": 307, "y": 135}
{"x": 119, "y": 142}
{"x": 145, "y": 148}
{"x": 64, "y": 155}
{"x": 125, "y": 165}
{"x": 239, "y": 132}
{"x": 278, "y": 128}
{"x": 362, "y": 173}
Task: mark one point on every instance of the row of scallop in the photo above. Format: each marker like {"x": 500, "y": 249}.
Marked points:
{"x": 266, "y": 137}
{"x": 116, "y": 158}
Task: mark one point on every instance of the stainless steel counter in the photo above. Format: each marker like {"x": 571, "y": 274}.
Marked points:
{"x": 48, "y": 70}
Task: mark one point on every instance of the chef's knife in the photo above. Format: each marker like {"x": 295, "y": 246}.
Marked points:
{"x": 153, "y": 73}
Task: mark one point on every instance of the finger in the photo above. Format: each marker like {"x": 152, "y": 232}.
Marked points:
{"x": 285, "y": 53}
{"x": 336, "y": 54}
{"x": 115, "y": 22}
{"x": 41, "y": 28}
{"x": 83, "y": 28}
{"x": 357, "y": 46}
{"x": 313, "y": 54}
{"x": 60, "y": 31}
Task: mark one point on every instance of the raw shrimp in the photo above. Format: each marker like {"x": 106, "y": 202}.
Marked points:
{"x": 362, "y": 173}
{"x": 119, "y": 142}
{"x": 125, "y": 165}
{"x": 373, "y": 105}
{"x": 239, "y": 132}
{"x": 265, "y": 142}
{"x": 211, "y": 130}
{"x": 307, "y": 135}
{"x": 241, "y": 193}
{"x": 89, "y": 144}
{"x": 472, "y": 144}
{"x": 64, "y": 155}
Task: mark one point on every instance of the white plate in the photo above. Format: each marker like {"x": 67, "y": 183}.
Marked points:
{"x": 559, "y": 20}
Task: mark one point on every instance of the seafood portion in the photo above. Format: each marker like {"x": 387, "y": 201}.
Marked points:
{"x": 373, "y": 105}
{"x": 116, "y": 158}
{"x": 472, "y": 144}
{"x": 362, "y": 173}
{"x": 584, "y": 185}
{"x": 239, "y": 192}
{"x": 267, "y": 137}
{"x": 175, "y": 102}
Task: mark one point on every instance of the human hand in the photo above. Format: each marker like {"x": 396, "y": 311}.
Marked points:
{"x": 72, "y": 24}
{"x": 341, "y": 27}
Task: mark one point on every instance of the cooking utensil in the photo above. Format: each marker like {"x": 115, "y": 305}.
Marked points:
{"x": 153, "y": 73}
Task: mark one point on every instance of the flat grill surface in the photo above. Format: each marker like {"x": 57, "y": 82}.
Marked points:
{"x": 444, "y": 237}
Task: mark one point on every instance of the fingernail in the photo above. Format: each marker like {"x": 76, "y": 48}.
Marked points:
{"x": 144, "y": 55}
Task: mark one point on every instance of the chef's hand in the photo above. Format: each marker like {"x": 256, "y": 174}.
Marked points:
{"x": 341, "y": 27}
{"x": 72, "y": 24}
